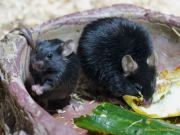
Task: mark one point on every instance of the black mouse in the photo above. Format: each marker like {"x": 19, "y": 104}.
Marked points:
{"x": 118, "y": 54}
{"x": 55, "y": 69}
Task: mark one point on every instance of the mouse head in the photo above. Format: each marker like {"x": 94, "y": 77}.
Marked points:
{"x": 141, "y": 74}
{"x": 51, "y": 55}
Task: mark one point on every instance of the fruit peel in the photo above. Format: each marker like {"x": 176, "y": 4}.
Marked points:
{"x": 166, "y": 98}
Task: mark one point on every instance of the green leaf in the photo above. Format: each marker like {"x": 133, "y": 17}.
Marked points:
{"x": 111, "y": 119}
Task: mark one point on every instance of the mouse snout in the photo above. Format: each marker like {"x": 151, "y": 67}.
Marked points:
{"x": 38, "y": 65}
{"x": 147, "y": 103}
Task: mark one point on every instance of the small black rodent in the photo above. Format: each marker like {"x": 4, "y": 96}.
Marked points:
{"x": 118, "y": 54}
{"x": 55, "y": 69}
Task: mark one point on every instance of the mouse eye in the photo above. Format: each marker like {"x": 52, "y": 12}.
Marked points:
{"x": 50, "y": 55}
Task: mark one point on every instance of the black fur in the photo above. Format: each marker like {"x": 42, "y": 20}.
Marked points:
{"x": 59, "y": 72}
{"x": 102, "y": 45}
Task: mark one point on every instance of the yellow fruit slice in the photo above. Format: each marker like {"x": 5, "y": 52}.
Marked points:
{"x": 166, "y": 99}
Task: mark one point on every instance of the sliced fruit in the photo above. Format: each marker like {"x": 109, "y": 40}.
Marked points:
{"x": 166, "y": 99}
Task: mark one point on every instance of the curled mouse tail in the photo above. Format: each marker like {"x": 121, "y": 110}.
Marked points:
{"x": 24, "y": 31}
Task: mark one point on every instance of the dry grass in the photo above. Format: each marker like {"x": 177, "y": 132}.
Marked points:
{"x": 32, "y": 12}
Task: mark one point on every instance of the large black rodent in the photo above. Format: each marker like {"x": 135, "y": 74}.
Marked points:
{"x": 118, "y": 54}
{"x": 55, "y": 69}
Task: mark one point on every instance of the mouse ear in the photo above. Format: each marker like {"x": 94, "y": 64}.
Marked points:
{"x": 152, "y": 59}
{"x": 68, "y": 47}
{"x": 128, "y": 64}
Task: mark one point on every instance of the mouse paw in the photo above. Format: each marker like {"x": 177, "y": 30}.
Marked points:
{"x": 37, "y": 89}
